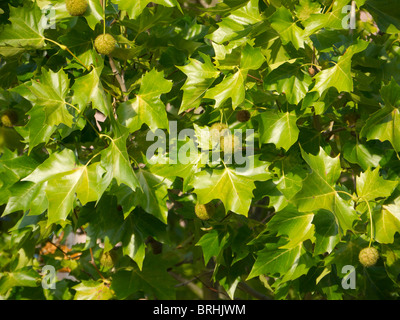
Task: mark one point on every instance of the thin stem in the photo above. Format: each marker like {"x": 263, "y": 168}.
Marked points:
{"x": 94, "y": 265}
{"x": 119, "y": 78}
{"x": 330, "y": 6}
{"x": 90, "y": 160}
{"x": 106, "y": 136}
{"x": 104, "y": 16}
{"x": 64, "y": 47}
{"x": 350, "y": 195}
{"x": 370, "y": 221}
{"x": 255, "y": 78}
{"x": 87, "y": 119}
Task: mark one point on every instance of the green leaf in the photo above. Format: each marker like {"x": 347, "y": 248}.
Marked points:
{"x": 92, "y": 290}
{"x": 385, "y": 14}
{"x": 152, "y": 195}
{"x": 370, "y": 185}
{"x": 306, "y": 8}
{"x": 289, "y": 79}
{"x": 39, "y": 130}
{"x": 24, "y": 32}
{"x": 134, "y": 243}
{"x": 287, "y": 29}
{"x": 147, "y": 106}
{"x": 200, "y": 76}
{"x": 153, "y": 280}
{"x": 94, "y": 13}
{"x": 115, "y": 160}
{"x": 56, "y": 164}
{"x": 332, "y": 19}
{"x": 27, "y": 196}
{"x": 361, "y": 154}
{"x": 273, "y": 261}
{"x": 65, "y": 179}
{"x": 61, "y": 191}
{"x": 391, "y": 255}
{"x": 180, "y": 165}
{"x": 238, "y": 24}
{"x": 25, "y": 277}
{"x": 318, "y": 190}
{"x": 385, "y": 123}
{"x": 232, "y": 187}
{"x": 279, "y": 128}
{"x": 50, "y": 93}
{"x": 135, "y": 7}
{"x": 233, "y": 85}
{"x": 212, "y": 243}
{"x": 386, "y": 223}
{"x": 89, "y": 89}
{"x": 339, "y": 76}
{"x": 327, "y": 234}
{"x": 295, "y": 225}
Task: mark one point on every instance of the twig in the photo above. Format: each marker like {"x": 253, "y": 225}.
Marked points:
{"x": 251, "y": 291}
{"x": 94, "y": 265}
{"x": 255, "y": 78}
{"x": 119, "y": 78}
{"x": 189, "y": 283}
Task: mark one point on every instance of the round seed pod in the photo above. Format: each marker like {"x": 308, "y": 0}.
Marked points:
{"x": 368, "y": 256}
{"x": 204, "y": 211}
{"x": 243, "y": 116}
{"x": 105, "y": 43}
{"x": 76, "y": 7}
{"x": 9, "y": 118}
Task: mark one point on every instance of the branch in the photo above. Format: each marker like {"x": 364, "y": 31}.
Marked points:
{"x": 184, "y": 282}
{"x": 258, "y": 295}
{"x": 119, "y": 78}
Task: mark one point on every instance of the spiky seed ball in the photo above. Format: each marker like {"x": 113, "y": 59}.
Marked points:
{"x": 204, "y": 211}
{"x": 243, "y": 116}
{"x": 105, "y": 43}
{"x": 368, "y": 256}
{"x": 76, "y": 7}
{"x": 234, "y": 142}
{"x": 217, "y": 131}
{"x": 9, "y": 118}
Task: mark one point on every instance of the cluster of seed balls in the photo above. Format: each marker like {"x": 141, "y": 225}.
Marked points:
{"x": 104, "y": 43}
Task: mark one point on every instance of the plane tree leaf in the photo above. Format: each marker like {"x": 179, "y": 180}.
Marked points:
{"x": 233, "y": 187}
{"x": 200, "y": 76}
{"x": 25, "y": 31}
{"x": 370, "y": 185}
{"x": 147, "y": 106}
{"x": 279, "y": 128}
{"x": 319, "y": 191}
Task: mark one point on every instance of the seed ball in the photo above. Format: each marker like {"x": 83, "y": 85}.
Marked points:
{"x": 368, "y": 257}
{"x": 243, "y": 116}
{"x": 234, "y": 142}
{"x": 9, "y": 118}
{"x": 76, "y": 7}
{"x": 105, "y": 43}
{"x": 311, "y": 71}
{"x": 204, "y": 211}
{"x": 217, "y": 131}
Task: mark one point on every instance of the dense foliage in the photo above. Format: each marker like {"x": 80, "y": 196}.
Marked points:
{"x": 315, "y": 85}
